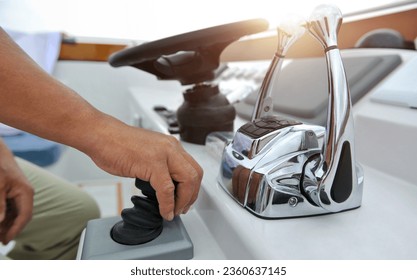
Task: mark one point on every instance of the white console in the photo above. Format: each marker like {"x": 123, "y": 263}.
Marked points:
{"x": 383, "y": 227}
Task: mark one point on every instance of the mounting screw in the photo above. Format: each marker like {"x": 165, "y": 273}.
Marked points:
{"x": 293, "y": 201}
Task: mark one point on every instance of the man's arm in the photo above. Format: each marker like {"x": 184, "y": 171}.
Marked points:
{"x": 33, "y": 101}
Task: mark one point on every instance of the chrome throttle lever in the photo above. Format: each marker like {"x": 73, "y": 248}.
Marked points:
{"x": 338, "y": 184}
{"x": 288, "y": 32}
{"x": 279, "y": 168}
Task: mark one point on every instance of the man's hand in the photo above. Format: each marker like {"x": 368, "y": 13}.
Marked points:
{"x": 154, "y": 157}
{"x": 16, "y": 197}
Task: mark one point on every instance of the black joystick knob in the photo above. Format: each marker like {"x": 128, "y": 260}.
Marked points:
{"x": 141, "y": 223}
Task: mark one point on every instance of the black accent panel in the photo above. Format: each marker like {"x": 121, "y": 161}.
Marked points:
{"x": 262, "y": 126}
{"x": 342, "y": 184}
{"x": 324, "y": 198}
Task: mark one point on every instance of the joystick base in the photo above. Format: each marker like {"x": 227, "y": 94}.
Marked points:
{"x": 173, "y": 243}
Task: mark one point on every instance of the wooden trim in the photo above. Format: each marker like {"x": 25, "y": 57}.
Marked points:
{"x": 405, "y": 22}
{"x": 88, "y": 51}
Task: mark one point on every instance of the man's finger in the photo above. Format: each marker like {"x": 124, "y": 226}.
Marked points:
{"x": 197, "y": 186}
{"x": 13, "y": 231}
{"x": 165, "y": 193}
{"x": 188, "y": 179}
{"x": 20, "y": 213}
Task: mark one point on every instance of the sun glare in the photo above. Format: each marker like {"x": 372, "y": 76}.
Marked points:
{"x": 153, "y": 19}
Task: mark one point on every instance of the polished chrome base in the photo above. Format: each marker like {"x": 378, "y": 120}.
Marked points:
{"x": 271, "y": 167}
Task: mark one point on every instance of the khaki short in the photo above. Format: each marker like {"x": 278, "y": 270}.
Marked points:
{"x": 61, "y": 212}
